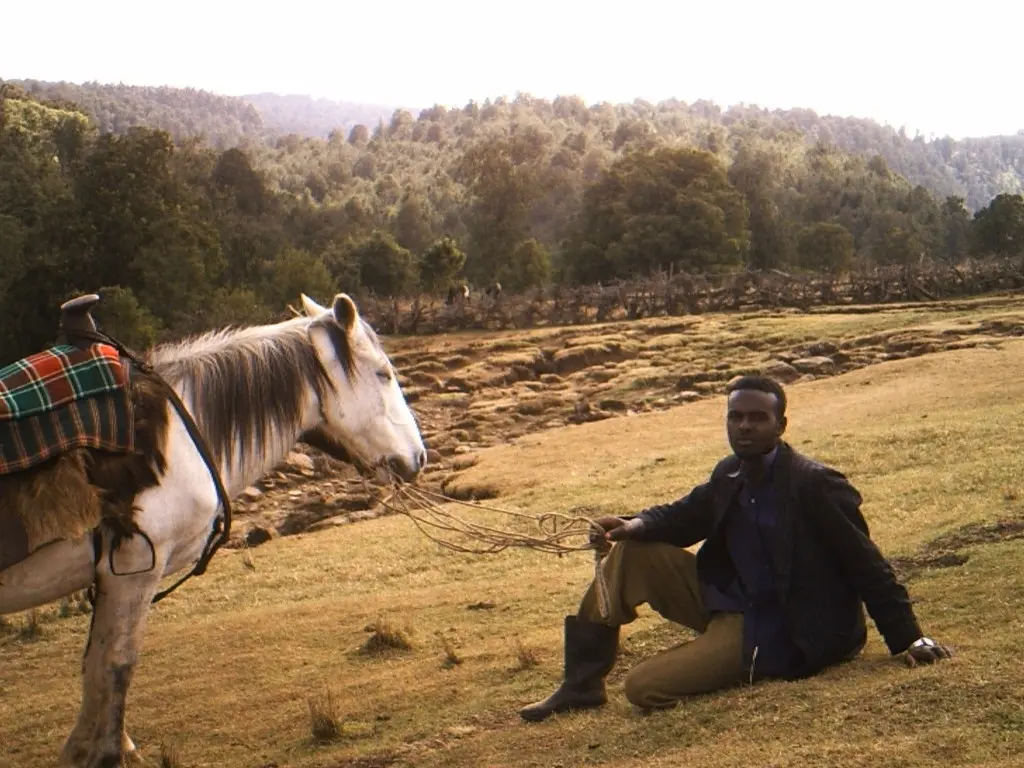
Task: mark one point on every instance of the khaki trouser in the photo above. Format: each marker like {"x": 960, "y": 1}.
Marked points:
{"x": 665, "y": 577}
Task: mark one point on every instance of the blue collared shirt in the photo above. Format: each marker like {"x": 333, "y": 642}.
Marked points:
{"x": 750, "y": 530}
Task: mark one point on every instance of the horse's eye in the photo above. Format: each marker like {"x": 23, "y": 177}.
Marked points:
{"x": 384, "y": 375}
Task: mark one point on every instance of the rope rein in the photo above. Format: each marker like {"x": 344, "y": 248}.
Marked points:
{"x": 424, "y": 508}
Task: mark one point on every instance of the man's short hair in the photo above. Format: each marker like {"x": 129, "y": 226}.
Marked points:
{"x": 761, "y": 384}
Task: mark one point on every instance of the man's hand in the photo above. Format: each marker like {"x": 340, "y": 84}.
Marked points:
{"x": 615, "y": 529}
{"x": 925, "y": 651}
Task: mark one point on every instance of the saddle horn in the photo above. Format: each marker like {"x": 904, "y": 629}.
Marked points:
{"x": 76, "y": 323}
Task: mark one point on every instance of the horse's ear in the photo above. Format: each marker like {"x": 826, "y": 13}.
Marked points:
{"x": 312, "y": 308}
{"x": 345, "y": 311}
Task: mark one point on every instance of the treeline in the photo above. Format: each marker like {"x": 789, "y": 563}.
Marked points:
{"x": 296, "y": 127}
{"x": 182, "y": 236}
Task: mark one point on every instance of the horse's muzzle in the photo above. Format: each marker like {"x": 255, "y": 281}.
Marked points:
{"x": 407, "y": 469}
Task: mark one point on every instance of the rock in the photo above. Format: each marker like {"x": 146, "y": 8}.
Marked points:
{"x": 433, "y": 456}
{"x": 353, "y": 502}
{"x": 460, "y": 384}
{"x": 521, "y": 373}
{"x": 612, "y": 405}
{"x": 465, "y": 461}
{"x": 257, "y": 535}
{"x": 299, "y": 462}
{"x": 687, "y": 396}
{"x": 819, "y": 365}
{"x": 251, "y": 493}
{"x": 780, "y": 371}
{"x": 822, "y": 349}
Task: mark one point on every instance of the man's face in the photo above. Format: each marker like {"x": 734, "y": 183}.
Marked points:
{"x": 752, "y": 423}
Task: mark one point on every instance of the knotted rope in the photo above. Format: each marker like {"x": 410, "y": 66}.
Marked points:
{"x": 423, "y": 507}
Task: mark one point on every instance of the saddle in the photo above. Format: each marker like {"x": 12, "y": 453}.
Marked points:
{"x": 71, "y": 395}
{"x": 68, "y": 396}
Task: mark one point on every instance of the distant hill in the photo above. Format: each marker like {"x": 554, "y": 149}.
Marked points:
{"x": 311, "y": 117}
{"x": 224, "y": 121}
{"x": 976, "y": 169}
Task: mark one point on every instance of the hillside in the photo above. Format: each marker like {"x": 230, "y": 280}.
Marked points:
{"x": 278, "y": 629}
{"x": 976, "y": 169}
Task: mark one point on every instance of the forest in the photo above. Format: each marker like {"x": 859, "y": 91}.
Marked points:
{"x": 187, "y": 210}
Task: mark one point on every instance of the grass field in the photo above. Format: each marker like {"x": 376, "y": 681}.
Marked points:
{"x": 234, "y": 659}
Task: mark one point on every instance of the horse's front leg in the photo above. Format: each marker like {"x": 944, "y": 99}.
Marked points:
{"x": 123, "y": 597}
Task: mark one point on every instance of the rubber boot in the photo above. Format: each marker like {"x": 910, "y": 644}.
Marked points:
{"x": 590, "y": 652}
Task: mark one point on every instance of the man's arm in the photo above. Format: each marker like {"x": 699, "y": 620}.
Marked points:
{"x": 836, "y": 511}
{"x": 683, "y": 522}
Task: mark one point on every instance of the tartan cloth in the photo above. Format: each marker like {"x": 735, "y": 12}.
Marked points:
{"x": 60, "y": 399}
{"x": 57, "y": 376}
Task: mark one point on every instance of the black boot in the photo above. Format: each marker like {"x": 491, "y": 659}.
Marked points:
{"x": 590, "y": 652}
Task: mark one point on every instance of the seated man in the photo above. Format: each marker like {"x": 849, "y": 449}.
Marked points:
{"x": 776, "y": 591}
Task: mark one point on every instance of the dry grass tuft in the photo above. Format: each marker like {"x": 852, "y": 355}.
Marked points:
{"x": 324, "y": 720}
{"x": 31, "y": 628}
{"x": 386, "y": 636}
{"x": 451, "y": 655}
{"x": 525, "y": 656}
{"x": 170, "y": 756}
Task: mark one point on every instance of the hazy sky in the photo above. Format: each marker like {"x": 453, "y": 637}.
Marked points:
{"x": 936, "y": 67}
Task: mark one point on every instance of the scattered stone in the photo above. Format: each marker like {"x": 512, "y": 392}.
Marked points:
{"x": 252, "y": 493}
{"x": 688, "y": 396}
{"x": 257, "y": 535}
{"x": 465, "y": 461}
{"x": 459, "y": 384}
{"x": 780, "y": 370}
{"x": 822, "y": 349}
{"x": 819, "y": 365}
{"x": 299, "y": 462}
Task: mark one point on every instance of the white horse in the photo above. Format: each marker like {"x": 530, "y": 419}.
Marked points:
{"x": 322, "y": 378}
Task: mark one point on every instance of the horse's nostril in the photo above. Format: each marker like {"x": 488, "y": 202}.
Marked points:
{"x": 421, "y": 459}
{"x": 404, "y": 469}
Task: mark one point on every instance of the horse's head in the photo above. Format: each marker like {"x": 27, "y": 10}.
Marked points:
{"x": 365, "y": 419}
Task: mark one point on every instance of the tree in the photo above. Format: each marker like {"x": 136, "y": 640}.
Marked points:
{"x": 530, "y": 267}
{"x": 758, "y": 171}
{"x": 998, "y": 228}
{"x": 956, "y": 226}
{"x": 825, "y": 247}
{"x": 652, "y": 210}
{"x": 440, "y": 263}
{"x": 414, "y": 225}
{"x": 504, "y": 177}
{"x": 385, "y": 267}
{"x": 120, "y": 315}
{"x": 294, "y": 272}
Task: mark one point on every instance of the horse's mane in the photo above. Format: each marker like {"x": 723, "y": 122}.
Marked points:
{"x": 247, "y": 385}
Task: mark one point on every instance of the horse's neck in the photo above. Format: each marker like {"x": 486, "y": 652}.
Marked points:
{"x": 248, "y": 464}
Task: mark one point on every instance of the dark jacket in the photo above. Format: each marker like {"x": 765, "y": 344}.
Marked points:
{"x": 826, "y": 566}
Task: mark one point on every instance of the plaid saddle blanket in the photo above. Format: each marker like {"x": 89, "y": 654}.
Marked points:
{"x": 62, "y": 398}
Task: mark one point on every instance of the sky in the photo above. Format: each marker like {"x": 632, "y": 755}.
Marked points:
{"x": 934, "y": 67}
